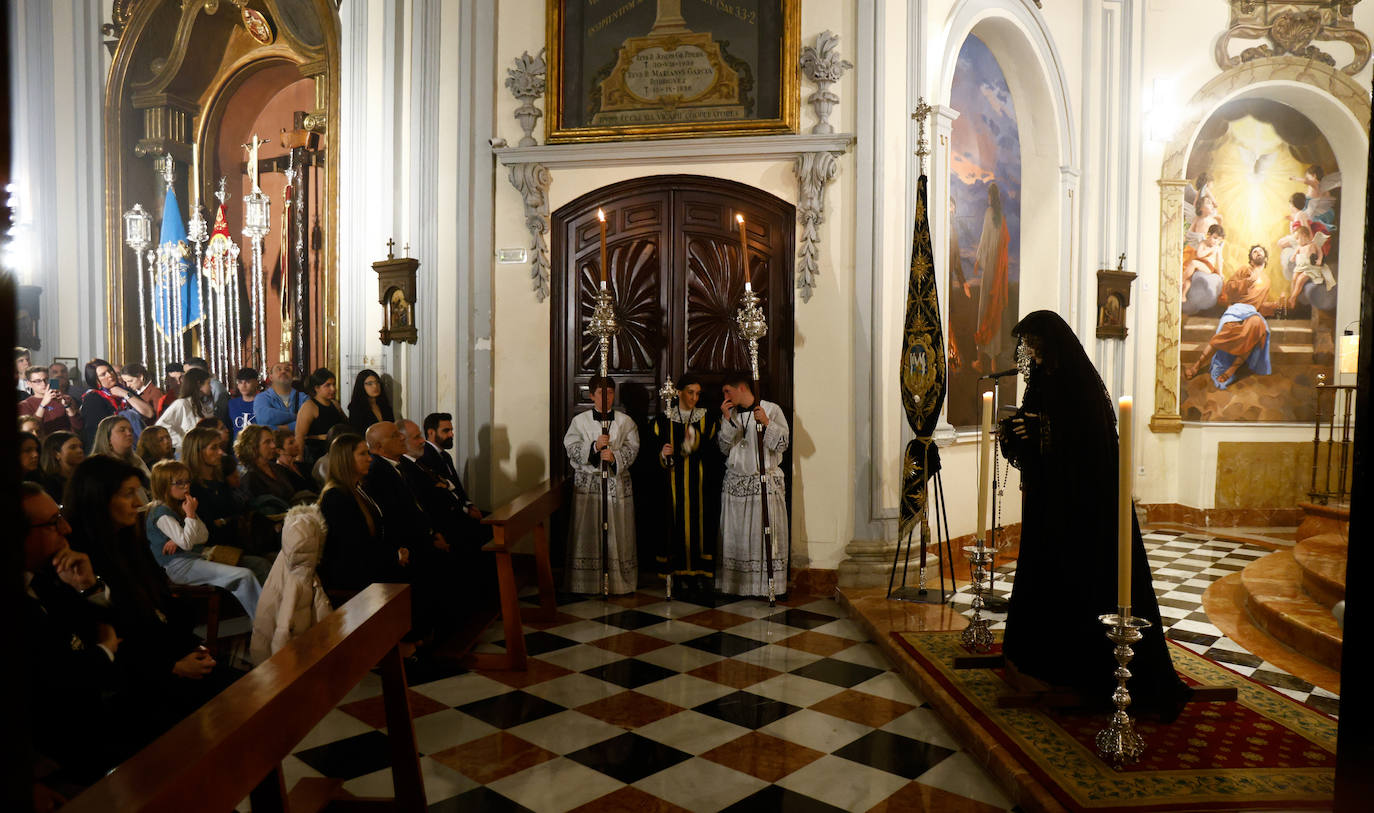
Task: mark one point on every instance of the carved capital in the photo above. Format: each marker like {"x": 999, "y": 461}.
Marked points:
{"x": 532, "y": 181}
{"x": 815, "y": 171}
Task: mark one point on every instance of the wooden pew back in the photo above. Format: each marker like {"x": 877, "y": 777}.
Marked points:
{"x": 218, "y": 755}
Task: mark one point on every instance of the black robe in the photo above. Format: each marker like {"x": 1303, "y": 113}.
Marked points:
{"x": 1066, "y": 569}
{"x": 690, "y": 515}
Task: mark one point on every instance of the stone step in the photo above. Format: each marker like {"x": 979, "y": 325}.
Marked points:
{"x": 1278, "y": 353}
{"x": 1322, "y": 560}
{"x": 1279, "y": 332}
{"x": 1324, "y": 519}
{"x": 1275, "y": 600}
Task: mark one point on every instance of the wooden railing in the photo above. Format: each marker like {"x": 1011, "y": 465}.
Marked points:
{"x": 529, "y": 512}
{"x": 233, "y": 746}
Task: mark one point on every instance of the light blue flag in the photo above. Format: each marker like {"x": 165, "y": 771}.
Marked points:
{"x": 182, "y": 278}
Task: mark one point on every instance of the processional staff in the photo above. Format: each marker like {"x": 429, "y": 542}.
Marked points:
{"x": 603, "y": 326}
{"x": 668, "y": 393}
{"x": 752, "y": 326}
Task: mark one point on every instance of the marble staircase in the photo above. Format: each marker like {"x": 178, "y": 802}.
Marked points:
{"x": 1289, "y": 594}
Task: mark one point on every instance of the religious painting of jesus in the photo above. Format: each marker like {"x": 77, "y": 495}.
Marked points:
{"x": 985, "y": 231}
{"x": 1260, "y": 266}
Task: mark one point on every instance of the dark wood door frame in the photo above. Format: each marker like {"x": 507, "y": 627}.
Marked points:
{"x": 673, "y": 257}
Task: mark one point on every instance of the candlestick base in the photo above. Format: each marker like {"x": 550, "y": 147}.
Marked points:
{"x": 1119, "y": 743}
{"x": 976, "y": 636}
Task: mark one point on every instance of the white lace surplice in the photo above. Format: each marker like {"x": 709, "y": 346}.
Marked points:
{"x": 740, "y": 571}
{"x": 584, "y": 538}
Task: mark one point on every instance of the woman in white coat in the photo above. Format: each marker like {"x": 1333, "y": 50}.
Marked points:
{"x": 293, "y": 599}
{"x": 194, "y": 404}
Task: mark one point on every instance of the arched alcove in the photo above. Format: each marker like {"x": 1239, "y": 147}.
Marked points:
{"x": 1335, "y": 104}
{"x": 1015, "y": 35}
{"x": 189, "y": 83}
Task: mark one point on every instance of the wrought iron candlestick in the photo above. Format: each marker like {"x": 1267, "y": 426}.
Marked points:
{"x": 751, "y": 325}
{"x": 604, "y": 325}
{"x": 976, "y": 635}
{"x": 1119, "y": 742}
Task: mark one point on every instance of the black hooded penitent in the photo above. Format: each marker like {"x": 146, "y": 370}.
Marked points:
{"x": 1065, "y": 572}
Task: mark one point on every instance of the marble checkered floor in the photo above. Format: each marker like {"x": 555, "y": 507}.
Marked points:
{"x": 1183, "y": 566}
{"x": 642, "y": 704}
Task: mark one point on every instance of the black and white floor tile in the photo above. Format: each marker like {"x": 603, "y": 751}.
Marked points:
{"x": 723, "y": 705}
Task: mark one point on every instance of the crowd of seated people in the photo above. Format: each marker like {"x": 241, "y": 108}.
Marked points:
{"x": 157, "y": 490}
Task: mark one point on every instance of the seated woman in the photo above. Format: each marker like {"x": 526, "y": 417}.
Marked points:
{"x": 319, "y": 413}
{"x": 177, "y": 537}
{"x": 369, "y": 403}
{"x": 31, "y": 424}
{"x": 356, "y": 550}
{"x": 1064, "y": 441}
{"x": 61, "y": 454}
{"x": 29, "y": 449}
{"x": 292, "y": 460}
{"x": 256, "y": 449}
{"x": 154, "y": 445}
{"x": 221, "y": 507}
{"x": 194, "y": 404}
{"x": 170, "y": 673}
{"x": 114, "y": 437}
{"x": 106, "y": 396}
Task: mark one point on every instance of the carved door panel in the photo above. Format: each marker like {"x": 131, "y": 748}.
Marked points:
{"x": 673, "y": 257}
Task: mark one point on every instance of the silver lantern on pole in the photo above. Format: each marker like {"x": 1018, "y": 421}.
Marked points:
{"x": 138, "y": 235}
{"x": 257, "y": 213}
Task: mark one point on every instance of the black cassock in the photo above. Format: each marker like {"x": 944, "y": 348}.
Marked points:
{"x": 691, "y": 493}
{"x": 1065, "y": 572}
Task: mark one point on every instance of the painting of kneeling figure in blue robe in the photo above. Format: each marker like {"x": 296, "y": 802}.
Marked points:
{"x": 1260, "y": 264}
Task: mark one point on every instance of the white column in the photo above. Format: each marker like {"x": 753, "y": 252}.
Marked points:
{"x": 937, "y": 206}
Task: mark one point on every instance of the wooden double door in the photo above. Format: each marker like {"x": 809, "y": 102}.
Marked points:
{"x": 673, "y": 268}
{"x": 674, "y": 271}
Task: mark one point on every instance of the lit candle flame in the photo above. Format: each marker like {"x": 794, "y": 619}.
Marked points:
{"x": 600, "y": 215}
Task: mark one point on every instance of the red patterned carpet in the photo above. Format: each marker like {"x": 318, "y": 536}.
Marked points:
{"x": 1263, "y": 750}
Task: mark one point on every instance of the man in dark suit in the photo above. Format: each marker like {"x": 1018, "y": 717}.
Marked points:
{"x": 438, "y": 440}
{"x": 68, "y": 651}
{"x": 433, "y": 575}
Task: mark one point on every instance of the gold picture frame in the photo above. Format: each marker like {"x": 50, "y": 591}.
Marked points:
{"x": 706, "y": 88}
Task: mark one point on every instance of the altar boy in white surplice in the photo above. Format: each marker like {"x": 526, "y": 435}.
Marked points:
{"x": 741, "y": 569}
{"x": 587, "y": 447}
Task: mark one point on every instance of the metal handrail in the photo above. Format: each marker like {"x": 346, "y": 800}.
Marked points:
{"x": 1339, "y": 395}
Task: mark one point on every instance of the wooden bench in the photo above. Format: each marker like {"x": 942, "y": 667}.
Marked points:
{"x": 232, "y": 747}
{"x": 529, "y": 512}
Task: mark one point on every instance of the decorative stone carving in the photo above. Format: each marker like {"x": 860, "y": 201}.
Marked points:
{"x": 822, "y": 64}
{"x": 1291, "y": 26}
{"x": 532, "y": 181}
{"x": 815, "y": 171}
{"x": 526, "y": 82}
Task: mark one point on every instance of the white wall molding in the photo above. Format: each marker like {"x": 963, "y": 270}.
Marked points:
{"x": 674, "y": 151}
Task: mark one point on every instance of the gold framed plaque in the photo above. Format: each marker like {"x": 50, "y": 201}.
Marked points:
{"x": 639, "y": 69}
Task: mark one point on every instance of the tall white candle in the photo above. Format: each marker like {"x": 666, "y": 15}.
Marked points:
{"x": 984, "y": 465}
{"x": 1123, "y": 510}
{"x": 600, "y": 215}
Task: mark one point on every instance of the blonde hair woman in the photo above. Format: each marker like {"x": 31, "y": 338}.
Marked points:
{"x": 114, "y": 437}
